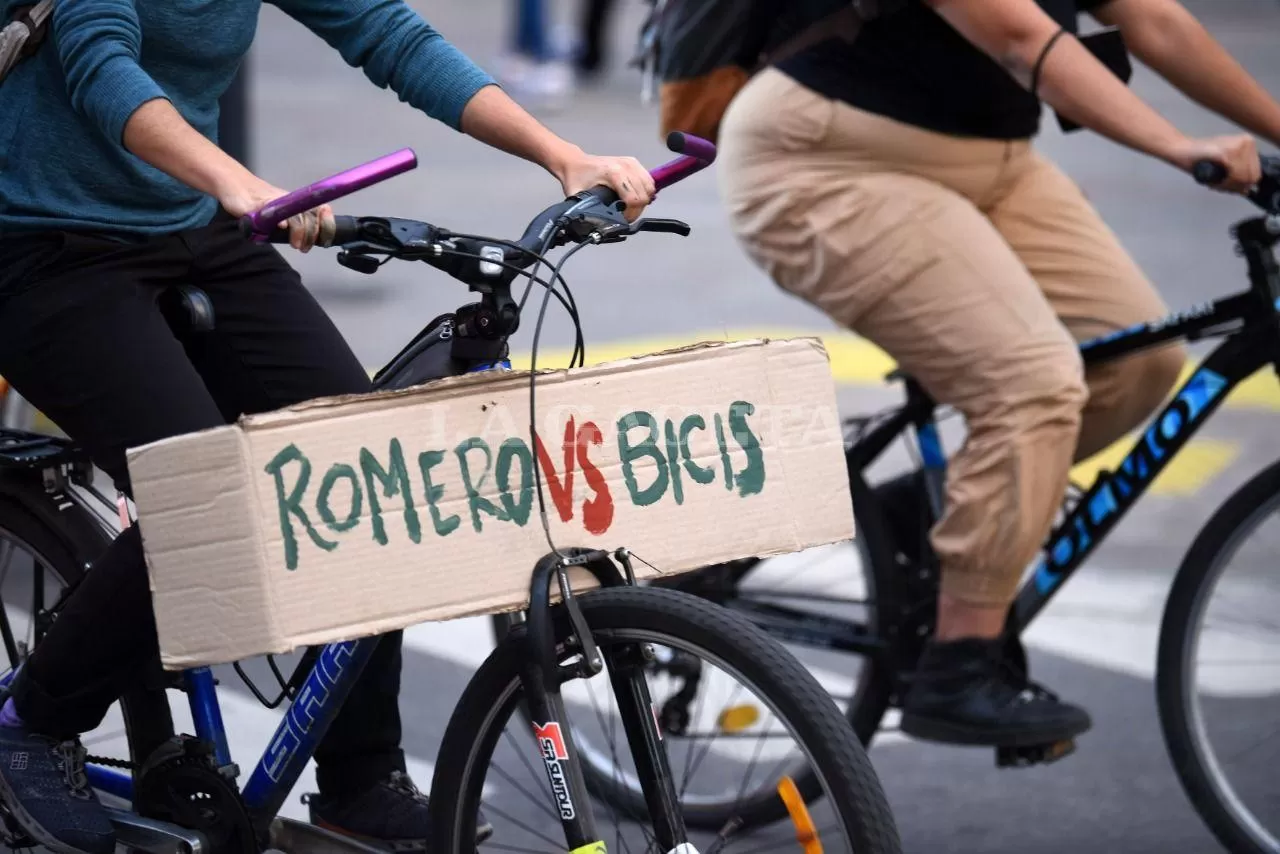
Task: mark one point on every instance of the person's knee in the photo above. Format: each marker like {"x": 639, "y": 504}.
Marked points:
{"x": 1150, "y": 376}
{"x": 1045, "y": 390}
{"x": 1126, "y": 392}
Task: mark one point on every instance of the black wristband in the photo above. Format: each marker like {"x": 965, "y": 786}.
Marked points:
{"x": 1035, "y": 71}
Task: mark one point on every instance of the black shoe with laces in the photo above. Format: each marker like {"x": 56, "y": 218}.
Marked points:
{"x": 44, "y": 788}
{"x": 965, "y": 692}
{"x": 391, "y": 814}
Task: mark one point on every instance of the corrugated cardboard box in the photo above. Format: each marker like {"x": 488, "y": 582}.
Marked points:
{"x": 347, "y": 517}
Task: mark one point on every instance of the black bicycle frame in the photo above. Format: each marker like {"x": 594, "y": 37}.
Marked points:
{"x": 1250, "y": 323}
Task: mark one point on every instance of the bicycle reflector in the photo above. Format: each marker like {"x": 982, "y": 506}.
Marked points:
{"x": 806, "y": 833}
{"x": 735, "y": 719}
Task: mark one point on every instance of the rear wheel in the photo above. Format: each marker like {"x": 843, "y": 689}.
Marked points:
{"x": 853, "y": 816}
{"x": 40, "y": 559}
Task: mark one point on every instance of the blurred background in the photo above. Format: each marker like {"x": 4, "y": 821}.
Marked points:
{"x": 309, "y": 115}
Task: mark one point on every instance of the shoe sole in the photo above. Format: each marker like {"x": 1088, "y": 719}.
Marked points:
{"x": 29, "y": 825}
{"x": 483, "y": 832}
{"x": 948, "y": 732}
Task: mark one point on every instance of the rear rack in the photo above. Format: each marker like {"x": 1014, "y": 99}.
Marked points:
{"x": 35, "y": 451}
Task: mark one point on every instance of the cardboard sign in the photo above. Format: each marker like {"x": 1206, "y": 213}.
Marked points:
{"x": 346, "y": 517}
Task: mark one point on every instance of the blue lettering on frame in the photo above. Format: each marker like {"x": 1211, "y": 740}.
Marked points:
{"x": 307, "y": 707}
{"x": 1137, "y": 469}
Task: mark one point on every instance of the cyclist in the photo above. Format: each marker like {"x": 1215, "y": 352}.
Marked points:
{"x": 891, "y": 181}
{"x": 111, "y": 191}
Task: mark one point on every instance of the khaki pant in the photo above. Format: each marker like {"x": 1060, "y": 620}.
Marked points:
{"x": 977, "y": 265}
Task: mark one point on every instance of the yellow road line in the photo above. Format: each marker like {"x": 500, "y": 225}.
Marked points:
{"x": 1196, "y": 464}
{"x": 854, "y": 361}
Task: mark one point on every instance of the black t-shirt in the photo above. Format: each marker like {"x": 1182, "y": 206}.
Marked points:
{"x": 914, "y": 67}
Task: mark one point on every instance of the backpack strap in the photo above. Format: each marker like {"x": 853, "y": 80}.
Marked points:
{"x": 844, "y": 23}
{"x": 37, "y": 20}
{"x": 23, "y": 35}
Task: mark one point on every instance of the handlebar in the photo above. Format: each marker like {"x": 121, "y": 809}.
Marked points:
{"x": 263, "y": 224}
{"x": 1266, "y": 195}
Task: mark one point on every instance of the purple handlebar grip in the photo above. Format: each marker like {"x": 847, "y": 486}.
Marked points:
{"x": 697, "y": 153}
{"x": 677, "y": 170}
{"x": 269, "y": 216}
{"x": 693, "y": 146}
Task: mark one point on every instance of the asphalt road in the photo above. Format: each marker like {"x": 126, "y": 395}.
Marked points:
{"x": 314, "y": 116}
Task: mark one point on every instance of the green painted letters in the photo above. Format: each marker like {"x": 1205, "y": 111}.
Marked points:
{"x": 476, "y": 502}
{"x": 648, "y": 448}
{"x": 515, "y": 449}
{"x": 433, "y": 491}
{"x": 291, "y": 504}
{"x": 750, "y": 479}
{"x": 336, "y": 472}
{"x": 700, "y": 474}
{"x": 394, "y": 479}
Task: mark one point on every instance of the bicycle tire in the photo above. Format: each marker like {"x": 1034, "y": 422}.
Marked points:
{"x": 866, "y": 709}
{"x": 67, "y": 543}
{"x": 1237, "y": 516}
{"x": 856, "y": 793}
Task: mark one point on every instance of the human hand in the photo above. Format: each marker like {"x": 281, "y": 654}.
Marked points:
{"x": 1237, "y": 154}
{"x": 249, "y": 193}
{"x": 624, "y": 175}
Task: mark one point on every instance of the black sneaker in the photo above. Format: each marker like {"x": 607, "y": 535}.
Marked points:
{"x": 44, "y": 787}
{"x": 391, "y": 814}
{"x": 966, "y": 692}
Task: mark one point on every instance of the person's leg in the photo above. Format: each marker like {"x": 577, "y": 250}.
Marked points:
{"x": 841, "y": 209}
{"x": 531, "y": 30}
{"x": 594, "y": 33}
{"x": 274, "y": 346}
{"x": 86, "y": 344}
{"x": 1095, "y": 288}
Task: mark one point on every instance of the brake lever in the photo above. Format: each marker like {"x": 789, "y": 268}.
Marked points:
{"x": 662, "y": 226}
{"x": 616, "y": 232}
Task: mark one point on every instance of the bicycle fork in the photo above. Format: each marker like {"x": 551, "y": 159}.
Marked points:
{"x": 541, "y": 679}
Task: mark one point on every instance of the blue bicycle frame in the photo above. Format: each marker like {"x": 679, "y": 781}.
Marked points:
{"x": 306, "y": 719}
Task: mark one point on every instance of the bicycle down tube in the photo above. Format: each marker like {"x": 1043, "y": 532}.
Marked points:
{"x": 1113, "y": 493}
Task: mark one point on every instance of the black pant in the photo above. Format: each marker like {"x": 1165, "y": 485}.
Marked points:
{"x": 82, "y": 338}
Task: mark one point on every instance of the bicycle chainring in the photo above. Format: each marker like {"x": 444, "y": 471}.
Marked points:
{"x": 180, "y": 784}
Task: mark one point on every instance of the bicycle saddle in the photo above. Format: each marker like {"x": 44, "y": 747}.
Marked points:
{"x": 187, "y": 308}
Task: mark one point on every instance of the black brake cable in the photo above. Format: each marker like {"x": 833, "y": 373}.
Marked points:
{"x": 533, "y": 404}
{"x": 458, "y": 253}
{"x": 579, "y": 345}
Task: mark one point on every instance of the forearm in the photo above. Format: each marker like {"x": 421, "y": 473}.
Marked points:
{"x": 494, "y": 119}
{"x": 1071, "y": 79}
{"x": 158, "y": 134}
{"x": 1169, "y": 39}
{"x": 1074, "y": 83}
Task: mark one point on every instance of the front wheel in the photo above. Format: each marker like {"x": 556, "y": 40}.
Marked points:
{"x": 1218, "y": 672}
{"x": 853, "y": 816}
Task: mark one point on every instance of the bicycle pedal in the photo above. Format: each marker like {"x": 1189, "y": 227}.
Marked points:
{"x": 1038, "y": 754}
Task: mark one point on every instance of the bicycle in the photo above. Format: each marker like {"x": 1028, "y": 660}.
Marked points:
{"x": 183, "y": 789}
{"x": 896, "y": 615}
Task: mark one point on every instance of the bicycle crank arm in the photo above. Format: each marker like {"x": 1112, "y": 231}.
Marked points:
{"x": 155, "y": 837}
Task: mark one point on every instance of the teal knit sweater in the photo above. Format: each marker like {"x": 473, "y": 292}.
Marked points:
{"x": 63, "y": 111}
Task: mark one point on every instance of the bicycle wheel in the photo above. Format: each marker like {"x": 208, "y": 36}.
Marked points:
{"x": 868, "y": 580}
{"x": 41, "y": 558}
{"x": 1218, "y": 671}
{"x": 676, "y": 624}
